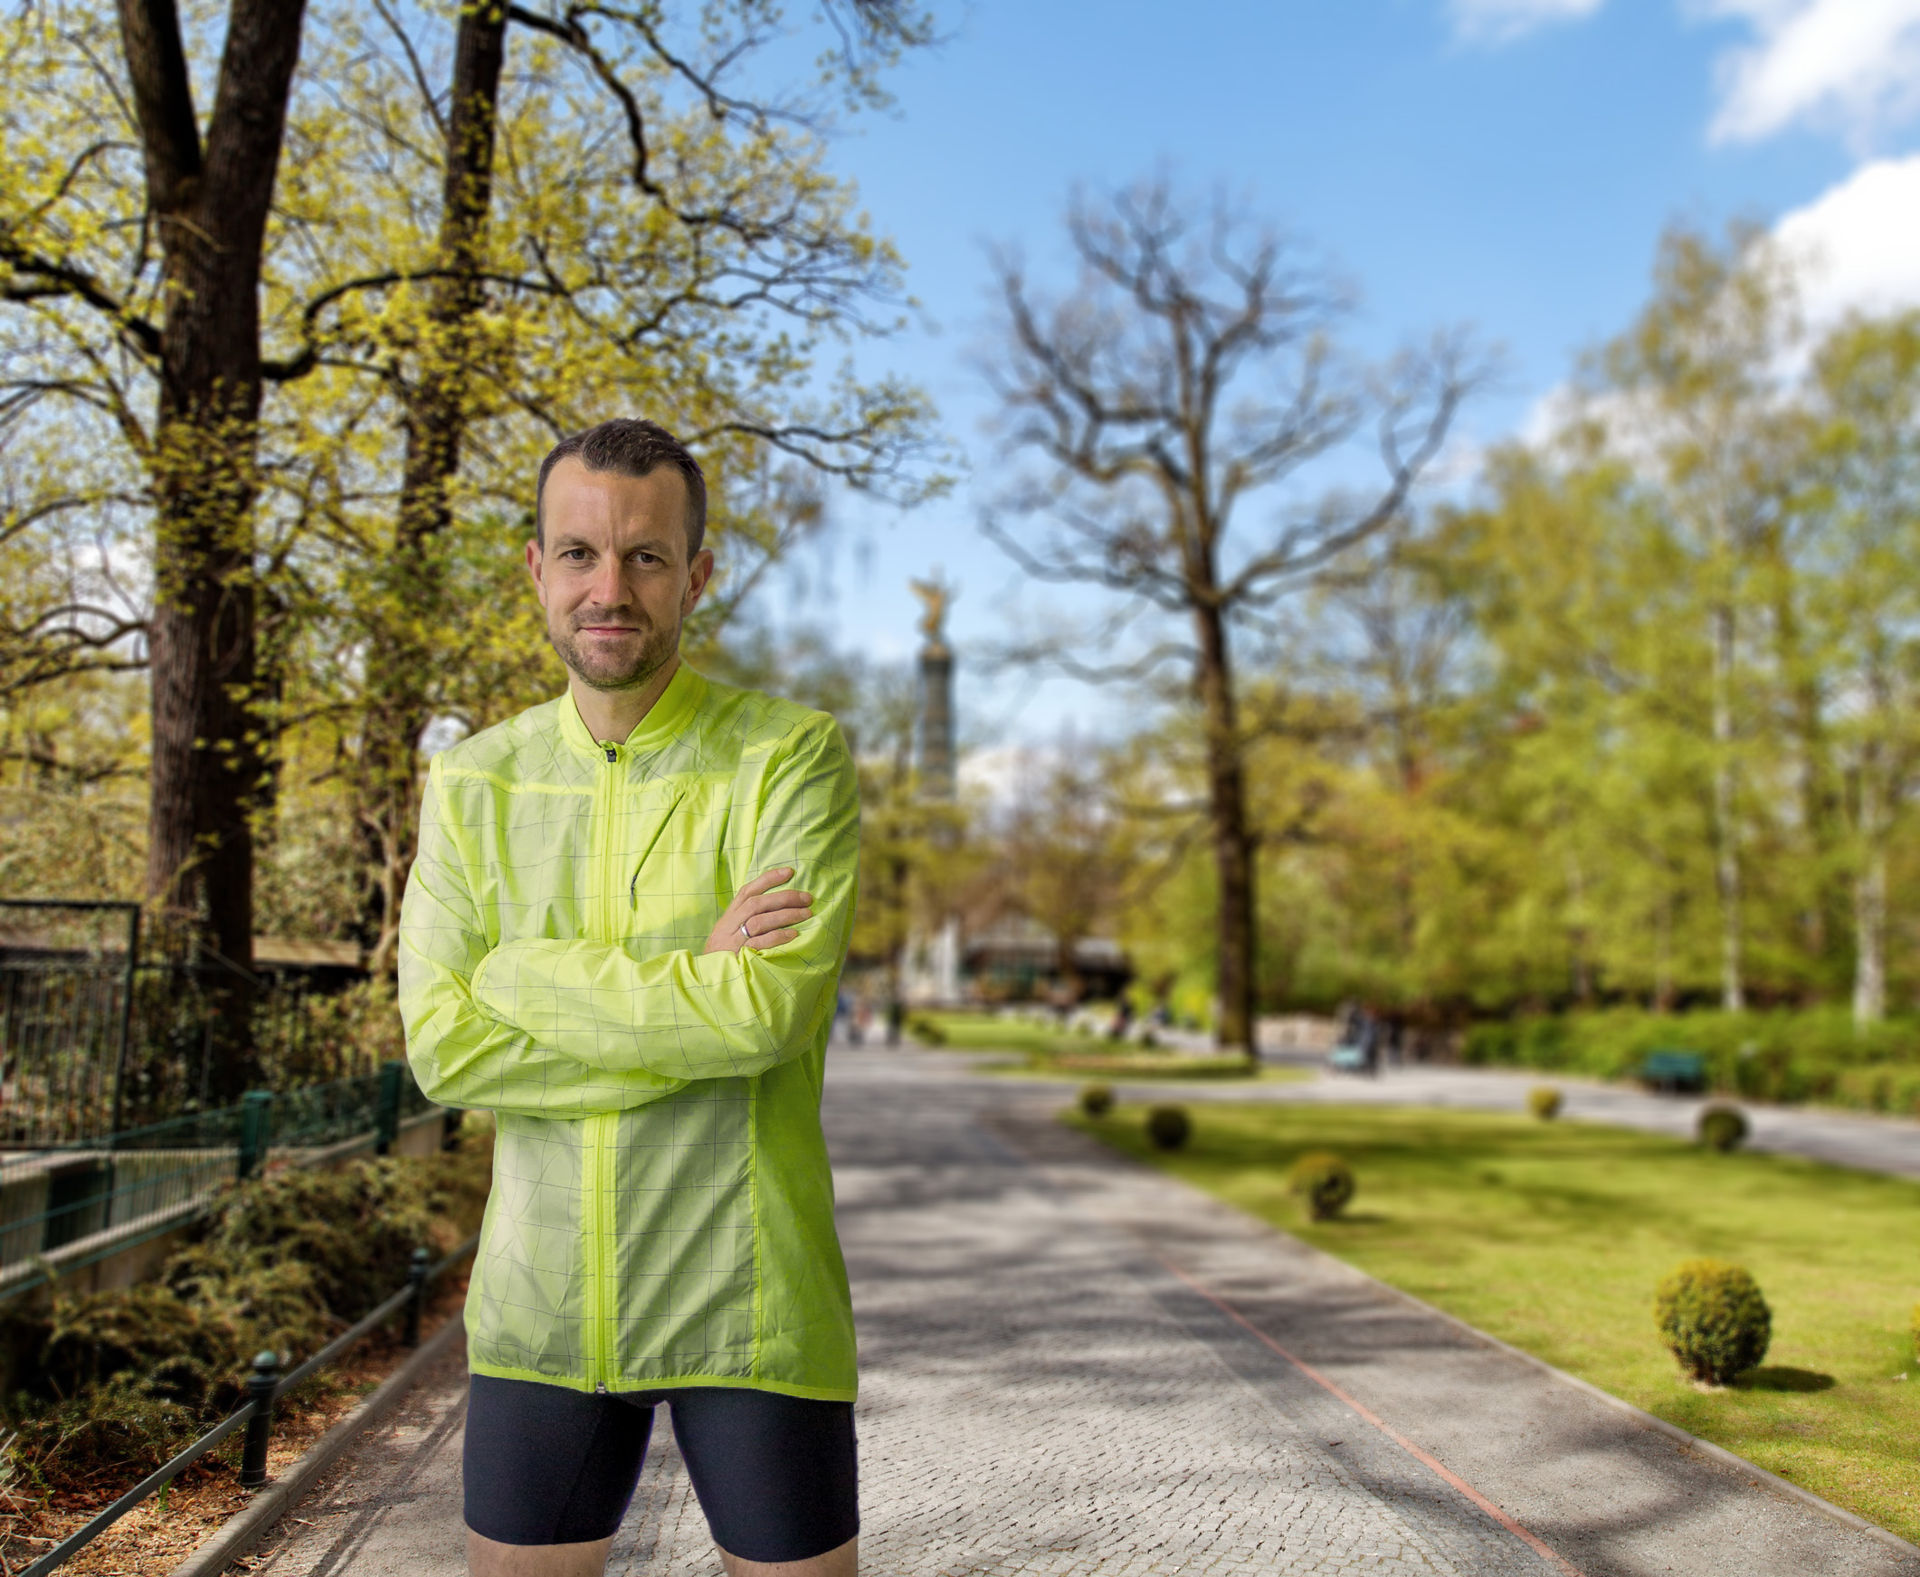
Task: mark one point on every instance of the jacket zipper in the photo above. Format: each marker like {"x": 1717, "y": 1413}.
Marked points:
{"x": 602, "y": 1128}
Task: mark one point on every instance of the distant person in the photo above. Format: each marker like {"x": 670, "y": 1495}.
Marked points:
{"x": 623, "y": 935}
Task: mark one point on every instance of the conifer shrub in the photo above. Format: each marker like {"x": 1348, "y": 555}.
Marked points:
{"x": 1324, "y": 1181}
{"x": 1543, "y": 1100}
{"x": 1169, "y": 1127}
{"x": 1713, "y": 1319}
{"x": 1722, "y": 1127}
{"x": 1096, "y": 1100}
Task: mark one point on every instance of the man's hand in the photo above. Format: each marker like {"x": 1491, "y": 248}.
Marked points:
{"x": 760, "y": 917}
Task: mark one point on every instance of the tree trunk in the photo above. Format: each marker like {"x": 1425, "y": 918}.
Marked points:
{"x": 1870, "y": 900}
{"x": 210, "y": 209}
{"x": 437, "y": 404}
{"x": 1232, "y": 843}
{"x": 1726, "y": 863}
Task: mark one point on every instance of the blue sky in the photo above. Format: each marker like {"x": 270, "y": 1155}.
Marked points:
{"x": 1507, "y": 164}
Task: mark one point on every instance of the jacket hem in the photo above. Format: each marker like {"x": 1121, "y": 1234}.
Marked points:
{"x": 652, "y": 1382}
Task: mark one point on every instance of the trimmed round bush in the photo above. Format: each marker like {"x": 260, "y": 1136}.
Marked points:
{"x": 1713, "y": 1320}
{"x": 1169, "y": 1127}
{"x": 1722, "y": 1127}
{"x": 1543, "y": 1100}
{"x": 1324, "y": 1181}
{"x": 1096, "y": 1100}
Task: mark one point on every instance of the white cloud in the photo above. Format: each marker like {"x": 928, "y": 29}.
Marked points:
{"x": 1854, "y": 64}
{"x": 1500, "y": 21}
{"x": 1857, "y": 249}
{"x": 1858, "y": 243}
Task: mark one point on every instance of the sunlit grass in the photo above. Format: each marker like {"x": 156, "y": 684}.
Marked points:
{"x": 1552, "y": 1236}
{"x": 1036, "y": 1051}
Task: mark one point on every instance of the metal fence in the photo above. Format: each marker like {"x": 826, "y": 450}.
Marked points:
{"x": 97, "y": 1038}
{"x": 62, "y": 1207}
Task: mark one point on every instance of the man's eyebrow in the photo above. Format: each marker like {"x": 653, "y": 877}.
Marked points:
{"x": 570, "y": 541}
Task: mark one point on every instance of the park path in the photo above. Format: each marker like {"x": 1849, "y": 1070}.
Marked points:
{"x": 1074, "y": 1365}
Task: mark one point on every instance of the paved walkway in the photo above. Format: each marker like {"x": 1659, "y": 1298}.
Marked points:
{"x": 1075, "y": 1366}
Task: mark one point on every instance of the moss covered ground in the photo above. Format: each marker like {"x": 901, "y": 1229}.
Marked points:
{"x": 1553, "y": 1236}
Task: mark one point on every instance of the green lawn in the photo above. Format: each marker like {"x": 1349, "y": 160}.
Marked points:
{"x": 1552, "y": 1236}
{"x": 1053, "y": 1053}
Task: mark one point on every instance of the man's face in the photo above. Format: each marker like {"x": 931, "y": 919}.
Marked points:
{"x": 615, "y": 576}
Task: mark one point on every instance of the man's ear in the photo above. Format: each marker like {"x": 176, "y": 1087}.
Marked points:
{"x": 699, "y": 572}
{"x": 534, "y": 567}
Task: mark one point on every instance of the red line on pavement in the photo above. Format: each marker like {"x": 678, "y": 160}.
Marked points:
{"x": 1540, "y": 1547}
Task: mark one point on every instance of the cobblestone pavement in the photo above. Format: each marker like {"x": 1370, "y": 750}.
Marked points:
{"x": 1071, "y": 1365}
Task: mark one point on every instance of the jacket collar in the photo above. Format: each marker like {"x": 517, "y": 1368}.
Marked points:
{"x": 668, "y": 716}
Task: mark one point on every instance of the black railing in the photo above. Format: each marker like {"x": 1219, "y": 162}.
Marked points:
{"x": 97, "y": 1037}
{"x": 79, "y": 1203}
{"x": 265, "y": 1387}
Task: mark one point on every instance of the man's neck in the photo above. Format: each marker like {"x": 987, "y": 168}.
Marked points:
{"x": 611, "y": 715}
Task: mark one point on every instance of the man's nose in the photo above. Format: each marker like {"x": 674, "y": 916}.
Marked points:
{"x": 609, "y": 585}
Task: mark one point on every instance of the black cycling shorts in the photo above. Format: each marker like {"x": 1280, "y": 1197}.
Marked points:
{"x": 548, "y": 1465}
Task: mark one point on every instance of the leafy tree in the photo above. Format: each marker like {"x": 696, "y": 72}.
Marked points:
{"x": 1187, "y": 378}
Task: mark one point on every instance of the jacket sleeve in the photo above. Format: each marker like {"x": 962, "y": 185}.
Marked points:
{"x": 461, "y": 1054}
{"x": 689, "y": 1015}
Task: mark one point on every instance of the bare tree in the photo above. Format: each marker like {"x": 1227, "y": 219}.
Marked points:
{"x": 1187, "y": 378}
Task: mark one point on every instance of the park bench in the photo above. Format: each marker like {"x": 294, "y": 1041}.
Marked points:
{"x": 1674, "y": 1071}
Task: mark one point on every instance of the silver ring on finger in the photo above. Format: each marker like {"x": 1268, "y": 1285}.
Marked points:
{"x": 744, "y": 932}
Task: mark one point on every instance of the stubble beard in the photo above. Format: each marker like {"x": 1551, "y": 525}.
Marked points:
{"x": 609, "y": 670}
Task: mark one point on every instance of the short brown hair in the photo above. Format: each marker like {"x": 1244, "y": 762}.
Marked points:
{"x": 628, "y": 448}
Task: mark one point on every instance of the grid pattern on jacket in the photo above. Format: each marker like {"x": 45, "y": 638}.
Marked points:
{"x": 551, "y": 970}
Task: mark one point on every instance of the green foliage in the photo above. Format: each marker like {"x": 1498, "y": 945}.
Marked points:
{"x": 1814, "y": 1054}
{"x": 1544, "y": 1101}
{"x": 1722, "y": 1127}
{"x": 1096, "y": 1100}
{"x": 1324, "y": 1181}
{"x": 1713, "y": 1319}
{"x": 102, "y": 1383}
{"x": 1169, "y": 1127}
{"x": 1913, "y": 1329}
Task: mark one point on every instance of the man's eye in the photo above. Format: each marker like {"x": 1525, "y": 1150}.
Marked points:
{"x": 648, "y": 558}
{"x": 577, "y": 555}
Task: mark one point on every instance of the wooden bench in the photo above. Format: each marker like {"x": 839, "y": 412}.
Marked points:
{"x": 1674, "y": 1071}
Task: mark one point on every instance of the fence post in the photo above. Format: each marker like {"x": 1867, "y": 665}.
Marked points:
{"x": 417, "y": 1304}
{"x": 388, "y": 1112}
{"x": 260, "y": 1384}
{"x": 256, "y": 1130}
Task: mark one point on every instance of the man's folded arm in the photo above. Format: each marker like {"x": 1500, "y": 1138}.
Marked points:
{"x": 684, "y": 1015}
{"x": 463, "y": 1055}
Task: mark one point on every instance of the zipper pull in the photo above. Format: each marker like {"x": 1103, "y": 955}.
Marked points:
{"x": 613, "y": 753}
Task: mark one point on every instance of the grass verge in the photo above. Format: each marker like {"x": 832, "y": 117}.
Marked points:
{"x": 1052, "y": 1053}
{"x": 1552, "y": 1236}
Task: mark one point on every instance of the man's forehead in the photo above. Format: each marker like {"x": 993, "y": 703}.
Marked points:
{"x": 591, "y": 504}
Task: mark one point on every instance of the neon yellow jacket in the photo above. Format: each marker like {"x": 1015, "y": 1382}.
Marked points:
{"x": 662, "y": 1210}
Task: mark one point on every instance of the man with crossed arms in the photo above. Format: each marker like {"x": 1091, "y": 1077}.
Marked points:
{"x": 623, "y": 936}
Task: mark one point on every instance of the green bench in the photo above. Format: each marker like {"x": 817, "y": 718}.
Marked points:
{"x": 1676, "y": 1072}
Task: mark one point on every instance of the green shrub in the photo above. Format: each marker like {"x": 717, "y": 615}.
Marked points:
{"x": 1324, "y": 1181}
{"x": 926, "y": 1031}
{"x": 1169, "y": 1127}
{"x": 1914, "y": 1330}
{"x": 1722, "y": 1127}
{"x": 1713, "y": 1319}
{"x": 1543, "y": 1100}
{"x": 1096, "y": 1100}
